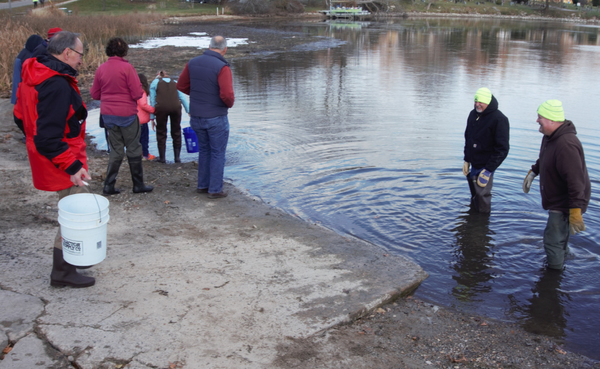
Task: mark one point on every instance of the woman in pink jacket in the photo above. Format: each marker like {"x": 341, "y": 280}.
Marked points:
{"x": 144, "y": 111}
{"x": 118, "y": 87}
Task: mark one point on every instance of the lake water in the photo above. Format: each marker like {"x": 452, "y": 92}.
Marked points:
{"x": 362, "y": 132}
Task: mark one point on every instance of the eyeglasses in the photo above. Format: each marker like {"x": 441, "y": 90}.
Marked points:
{"x": 80, "y": 54}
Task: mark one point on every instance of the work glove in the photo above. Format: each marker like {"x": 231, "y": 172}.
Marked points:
{"x": 576, "y": 221}
{"x": 528, "y": 181}
{"x": 466, "y": 169}
{"x": 483, "y": 178}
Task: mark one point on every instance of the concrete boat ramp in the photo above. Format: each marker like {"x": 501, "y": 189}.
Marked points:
{"x": 188, "y": 282}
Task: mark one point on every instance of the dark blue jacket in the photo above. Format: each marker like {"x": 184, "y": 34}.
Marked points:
{"x": 205, "y": 100}
{"x": 32, "y": 42}
{"x": 486, "y": 137}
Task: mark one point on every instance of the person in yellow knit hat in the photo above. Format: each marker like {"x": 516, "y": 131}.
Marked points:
{"x": 564, "y": 181}
{"x": 486, "y": 147}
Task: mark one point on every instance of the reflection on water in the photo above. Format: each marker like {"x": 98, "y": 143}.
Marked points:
{"x": 473, "y": 257}
{"x": 362, "y": 132}
{"x": 544, "y": 311}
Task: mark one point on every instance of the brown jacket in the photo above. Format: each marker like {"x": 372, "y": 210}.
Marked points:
{"x": 564, "y": 179}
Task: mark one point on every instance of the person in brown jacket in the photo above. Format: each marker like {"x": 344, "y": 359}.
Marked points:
{"x": 167, "y": 100}
{"x": 564, "y": 181}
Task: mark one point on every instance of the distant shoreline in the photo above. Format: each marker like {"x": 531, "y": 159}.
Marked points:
{"x": 500, "y": 16}
{"x": 408, "y": 15}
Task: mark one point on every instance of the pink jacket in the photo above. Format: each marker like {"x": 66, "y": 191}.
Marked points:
{"x": 118, "y": 87}
{"x": 144, "y": 109}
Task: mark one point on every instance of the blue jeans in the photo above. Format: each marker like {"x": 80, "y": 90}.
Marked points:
{"x": 213, "y": 134}
{"x": 144, "y": 139}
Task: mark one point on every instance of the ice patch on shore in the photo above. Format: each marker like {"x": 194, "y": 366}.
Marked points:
{"x": 199, "y": 40}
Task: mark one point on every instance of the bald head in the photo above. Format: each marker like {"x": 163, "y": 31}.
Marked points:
{"x": 218, "y": 44}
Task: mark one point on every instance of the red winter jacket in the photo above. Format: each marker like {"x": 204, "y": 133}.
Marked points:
{"x": 53, "y": 115}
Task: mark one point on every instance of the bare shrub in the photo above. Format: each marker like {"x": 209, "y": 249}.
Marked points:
{"x": 252, "y": 7}
{"x": 290, "y": 6}
{"x": 266, "y": 6}
{"x": 14, "y": 37}
{"x": 321, "y": 3}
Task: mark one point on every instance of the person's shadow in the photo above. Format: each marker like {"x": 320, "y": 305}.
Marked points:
{"x": 472, "y": 257}
{"x": 546, "y": 314}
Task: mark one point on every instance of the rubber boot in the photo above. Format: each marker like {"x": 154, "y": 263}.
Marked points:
{"x": 111, "y": 178}
{"x": 137, "y": 175}
{"x": 65, "y": 274}
{"x": 161, "y": 143}
{"x": 177, "y": 152}
{"x": 161, "y": 155}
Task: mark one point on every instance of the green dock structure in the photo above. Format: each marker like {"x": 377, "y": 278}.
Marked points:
{"x": 346, "y": 13}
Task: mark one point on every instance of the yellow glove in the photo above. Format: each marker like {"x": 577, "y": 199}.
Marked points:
{"x": 528, "y": 181}
{"x": 576, "y": 221}
{"x": 483, "y": 178}
{"x": 466, "y": 169}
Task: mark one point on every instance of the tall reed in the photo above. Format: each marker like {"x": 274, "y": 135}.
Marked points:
{"x": 94, "y": 33}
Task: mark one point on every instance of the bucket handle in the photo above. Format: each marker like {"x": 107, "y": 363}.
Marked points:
{"x": 99, "y": 210}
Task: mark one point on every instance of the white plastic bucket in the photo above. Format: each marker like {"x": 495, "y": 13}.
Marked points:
{"x": 83, "y": 219}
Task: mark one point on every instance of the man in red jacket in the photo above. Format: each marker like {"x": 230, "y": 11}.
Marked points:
{"x": 564, "y": 181}
{"x": 53, "y": 115}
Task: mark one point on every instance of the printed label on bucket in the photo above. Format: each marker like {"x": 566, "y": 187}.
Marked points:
{"x": 72, "y": 247}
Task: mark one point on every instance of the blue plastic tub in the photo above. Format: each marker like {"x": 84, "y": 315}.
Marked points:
{"x": 191, "y": 141}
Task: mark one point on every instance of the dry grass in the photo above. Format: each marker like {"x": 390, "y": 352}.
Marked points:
{"x": 12, "y": 43}
{"x": 94, "y": 30}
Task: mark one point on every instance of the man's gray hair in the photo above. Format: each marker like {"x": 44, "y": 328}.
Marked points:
{"x": 218, "y": 43}
{"x": 61, "y": 41}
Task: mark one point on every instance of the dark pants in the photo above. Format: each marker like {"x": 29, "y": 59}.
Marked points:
{"x": 481, "y": 197}
{"x": 556, "y": 239}
{"x": 105, "y": 133}
{"x": 144, "y": 139}
{"x": 121, "y": 138}
{"x": 107, "y": 143}
{"x": 161, "y": 130}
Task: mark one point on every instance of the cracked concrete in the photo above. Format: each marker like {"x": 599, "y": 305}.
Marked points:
{"x": 187, "y": 280}
{"x": 18, "y": 315}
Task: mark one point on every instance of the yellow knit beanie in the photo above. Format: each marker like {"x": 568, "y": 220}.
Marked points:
{"x": 552, "y": 110}
{"x": 483, "y": 95}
